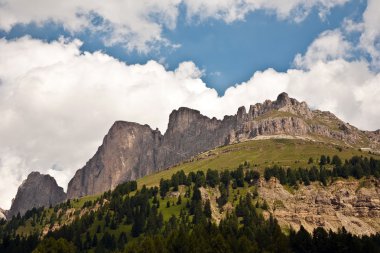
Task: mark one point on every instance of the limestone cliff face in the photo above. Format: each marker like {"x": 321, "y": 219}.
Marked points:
{"x": 374, "y": 137}
{"x": 36, "y": 191}
{"x": 288, "y": 116}
{"x": 190, "y": 133}
{"x": 130, "y": 151}
{"x": 351, "y": 204}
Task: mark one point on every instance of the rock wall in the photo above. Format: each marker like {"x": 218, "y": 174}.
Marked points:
{"x": 129, "y": 151}
{"x": 354, "y": 205}
{"x": 36, "y": 191}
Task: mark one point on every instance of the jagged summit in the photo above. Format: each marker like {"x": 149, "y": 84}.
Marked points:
{"x": 36, "y": 191}
{"x": 130, "y": 150}
{"x": 283, "y": 98}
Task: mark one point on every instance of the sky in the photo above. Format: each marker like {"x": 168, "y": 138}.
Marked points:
{"x": 69, "y": 69}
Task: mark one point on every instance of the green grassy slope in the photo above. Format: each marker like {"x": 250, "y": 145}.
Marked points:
{"x": 260, "y": 153}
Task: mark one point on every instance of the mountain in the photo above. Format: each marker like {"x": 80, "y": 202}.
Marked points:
{"x": 130, "y": 150}
{"x": 3, "y": 214}
{"x": 36, "y": 191}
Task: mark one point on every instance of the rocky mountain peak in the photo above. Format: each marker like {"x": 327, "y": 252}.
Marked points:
{"x": 36, "y": 191}
{"x": 127, "y": 153}
{"x": 283, "y": 103}
{"x": 283, "y": 99}
{"x": 286, "y": 104}
{"x": 131, "y": 150}
{"x": 181, "y": 119}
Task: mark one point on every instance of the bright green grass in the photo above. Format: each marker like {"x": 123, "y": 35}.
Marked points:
{"x": 83, "y": 200}
{"x": 263, "y": 153}
{"x": 173, "y": 209}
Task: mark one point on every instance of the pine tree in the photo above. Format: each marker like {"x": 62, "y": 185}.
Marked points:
{"x": 291, "y": 177}
{"x": 94, "y": 241}
{"x": 179, "y": 201}
{"x": 323, "y": 160}
{"x": 138, "y": 225}
{"x": 207, "y": 209}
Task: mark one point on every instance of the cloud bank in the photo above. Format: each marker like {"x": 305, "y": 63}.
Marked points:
{"x": 138, "y": 25}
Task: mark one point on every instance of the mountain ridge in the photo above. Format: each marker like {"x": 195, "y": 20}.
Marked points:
{"x": 131, "y": 150}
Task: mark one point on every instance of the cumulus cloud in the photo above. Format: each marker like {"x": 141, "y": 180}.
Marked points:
{"x": 135, "y": 24}
{"x": 328, "y": 46}
{"x": 368, "y": 31}
{"x": 138, "y": 25}
{"x": 57, "y": 102}
{"x": 370, "y": 38}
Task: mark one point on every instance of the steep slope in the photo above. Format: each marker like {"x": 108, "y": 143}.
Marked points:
{"x": 351, "y": 204}
{"x": 282, "y": 150}
{"x": 130, "y": 151}
{"x": 2, "y": 214}
{"x": 36, "y": 191}
{"x": 190, "y": 133}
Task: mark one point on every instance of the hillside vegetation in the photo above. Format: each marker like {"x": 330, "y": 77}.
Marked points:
{"x": 259, "y": 154}
{"x": 191, "y": 208}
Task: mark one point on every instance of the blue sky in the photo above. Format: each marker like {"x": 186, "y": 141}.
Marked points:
{"x": 228, "y": 53}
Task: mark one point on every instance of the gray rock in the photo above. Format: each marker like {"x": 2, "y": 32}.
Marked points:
{"x": 130, "y": 151}
{"x": 3, "y": 214}
{"x": 36, "y": 191}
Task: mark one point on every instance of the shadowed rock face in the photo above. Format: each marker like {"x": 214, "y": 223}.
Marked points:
{"x": 130, "y": 150}
{"x": 36, "y": 191}
{"x": 2, "y": 214}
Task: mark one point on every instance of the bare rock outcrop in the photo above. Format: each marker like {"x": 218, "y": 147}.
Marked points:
{"x": 36, "y": 191}
{"x": 130, "y": 150}
{"x": 374, "y": 139}
{"x": 190, "y": 133}
{"x": 351, "y": 204}
{"x": 3, "y": 214}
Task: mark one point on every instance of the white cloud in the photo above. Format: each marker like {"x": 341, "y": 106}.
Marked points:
{"x": 232, "y": 10}
{"x": 370, "y": 38}
{"x": 328, "y": 46}
{"x": 57, "y": 103}
{"x": 187, "y": 70}
{"x": 368, "y": 31}
{"x": 138, "y": 25}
